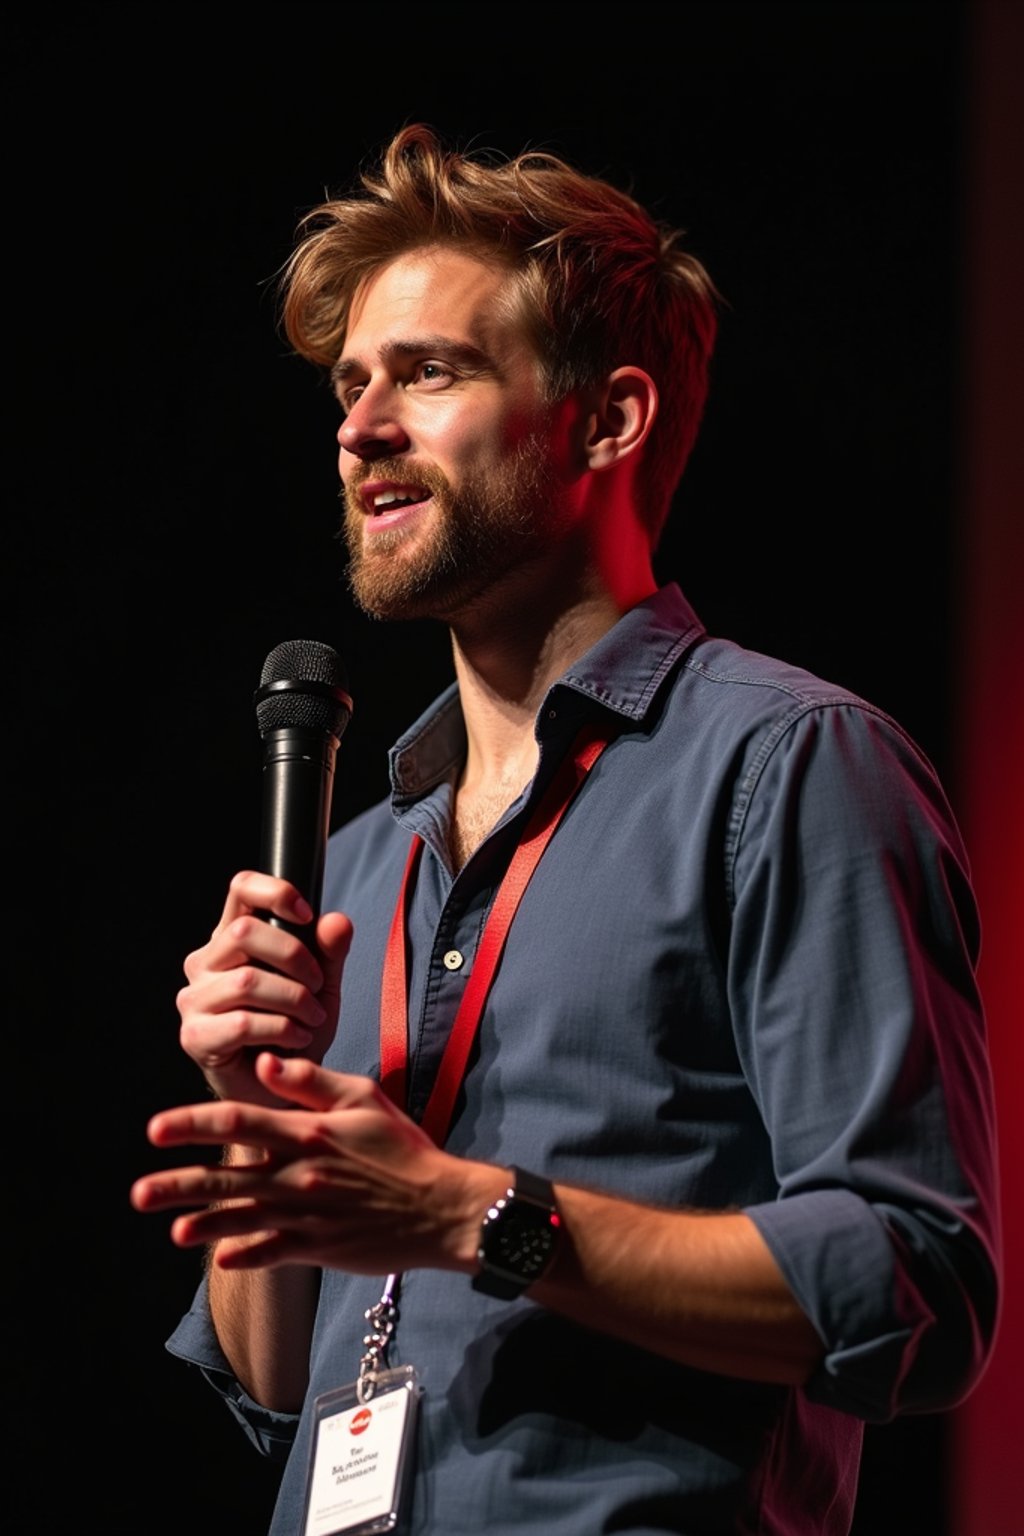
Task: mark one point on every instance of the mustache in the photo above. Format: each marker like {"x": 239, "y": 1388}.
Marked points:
{"x": 428, "y": 476}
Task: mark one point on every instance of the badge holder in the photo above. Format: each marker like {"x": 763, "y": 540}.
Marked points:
{"x": 363, "y": 1438}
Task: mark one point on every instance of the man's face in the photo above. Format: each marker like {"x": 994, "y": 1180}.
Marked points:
{"x": 453, "y": 466}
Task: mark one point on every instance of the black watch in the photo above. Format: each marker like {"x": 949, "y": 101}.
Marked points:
{"x": 518, "y": 1237}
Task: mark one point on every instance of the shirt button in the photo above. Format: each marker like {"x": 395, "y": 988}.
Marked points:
{"x": 453, "y": 959}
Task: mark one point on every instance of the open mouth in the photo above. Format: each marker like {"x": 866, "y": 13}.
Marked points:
{"x": 394, "y": 499}
{"x": 390, "y": 503}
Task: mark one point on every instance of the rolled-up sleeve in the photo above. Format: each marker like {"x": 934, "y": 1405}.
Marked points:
{"x": 852, "y": 975}
{"x": 195, "y": 1341}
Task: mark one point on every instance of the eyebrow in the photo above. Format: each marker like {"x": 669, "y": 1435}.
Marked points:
{"x": 462, "y": 352}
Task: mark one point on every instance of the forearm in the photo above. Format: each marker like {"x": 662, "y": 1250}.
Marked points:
{"x": 348, "y": 1182}
{"x": 702, "y": 1289}
{"x": 264, "y": 1321}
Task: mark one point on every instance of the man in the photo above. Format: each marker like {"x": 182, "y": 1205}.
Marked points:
{"x": 654, "y": 1138}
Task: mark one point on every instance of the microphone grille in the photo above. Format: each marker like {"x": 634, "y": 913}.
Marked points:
{"x": 303, "y": 661}
{"x": 303, "y": 686}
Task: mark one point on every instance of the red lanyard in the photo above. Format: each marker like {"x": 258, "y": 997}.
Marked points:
{"x": 394, "y": 1024}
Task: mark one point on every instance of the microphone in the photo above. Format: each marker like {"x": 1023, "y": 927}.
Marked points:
{"x": 302, "y": 709}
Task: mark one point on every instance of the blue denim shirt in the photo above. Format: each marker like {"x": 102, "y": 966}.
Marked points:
{"x": 742, "y": 976}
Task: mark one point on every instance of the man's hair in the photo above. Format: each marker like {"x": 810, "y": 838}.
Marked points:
{"x": 600, "y": 282}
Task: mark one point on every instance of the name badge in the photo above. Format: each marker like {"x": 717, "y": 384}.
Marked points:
{"x": 362, "y": 1455}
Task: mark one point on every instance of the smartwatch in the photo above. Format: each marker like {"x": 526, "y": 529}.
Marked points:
{"x": 518, "y": 1237}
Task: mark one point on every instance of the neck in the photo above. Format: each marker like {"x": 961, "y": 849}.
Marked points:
{"x": 508, "y": 653}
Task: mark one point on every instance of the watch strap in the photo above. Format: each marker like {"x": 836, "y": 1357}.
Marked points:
{"x": 532, "y": 1186}
{"x": 526, "y": 1188}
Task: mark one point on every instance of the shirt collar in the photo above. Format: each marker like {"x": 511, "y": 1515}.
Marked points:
{"x": 621, "y": 672}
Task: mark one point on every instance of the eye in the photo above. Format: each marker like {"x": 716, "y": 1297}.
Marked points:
{"x": 433, "y": 374}
{"x": 348, "y": 397}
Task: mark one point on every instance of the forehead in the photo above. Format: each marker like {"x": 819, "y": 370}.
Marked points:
{"x": 440, "y": 292}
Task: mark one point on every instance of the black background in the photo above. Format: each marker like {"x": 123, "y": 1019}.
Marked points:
{"x": 172, "y": 509}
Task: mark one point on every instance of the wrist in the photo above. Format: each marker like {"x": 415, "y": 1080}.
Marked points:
{"x": 459, "y": 1200}
{"x": 519, "y": 1236}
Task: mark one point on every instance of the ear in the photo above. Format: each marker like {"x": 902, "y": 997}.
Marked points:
{"x": 622, "y": 413}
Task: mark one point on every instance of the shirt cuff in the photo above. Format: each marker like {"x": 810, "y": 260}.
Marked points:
{"x": 195, "y": 1341}
{"x": 839, "y": 1260}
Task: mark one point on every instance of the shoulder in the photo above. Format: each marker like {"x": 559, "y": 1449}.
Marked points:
{"x": 800, "y": 761}
{"x": 769, "y": 683}
{"x": 765, "y": 706}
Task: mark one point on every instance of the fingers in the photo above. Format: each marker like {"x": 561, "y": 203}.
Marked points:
{"x": 282, "y": 1137}
{"x": 225, "y": 1016}
{"x": 262, "y": 1252}
{"x": 255, "y": 985}
{"x": 335, "y": 1178}
{"x": 182, "y": 1186}
{"x": 236, "y": 1201}
{"x": 220, "y": 1122}
{"x": 252, "y": 1250}
{"x": 282, "y": 1132}
{"x": 240, "y": 933}
{"x": 261, "y": 1214}
{"x": 266, "y": 1226}
{"x": 250, "y": 988}
{"x": 251, "y": 891}
{"x": 334, "y": 939}
{"x": 247, "y": 938}
{"x": 301, "y": 1082}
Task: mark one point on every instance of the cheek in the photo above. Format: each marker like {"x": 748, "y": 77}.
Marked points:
{"x": 486, "y": 446}
{"x": 466, "y": 449}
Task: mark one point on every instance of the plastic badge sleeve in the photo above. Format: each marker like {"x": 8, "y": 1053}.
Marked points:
{"x": 361, "y": 1460}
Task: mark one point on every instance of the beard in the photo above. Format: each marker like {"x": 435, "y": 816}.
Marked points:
{"x": 488, "y": 526}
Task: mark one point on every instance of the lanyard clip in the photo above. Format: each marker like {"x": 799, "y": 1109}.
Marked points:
{"x": 382, "y": 1318}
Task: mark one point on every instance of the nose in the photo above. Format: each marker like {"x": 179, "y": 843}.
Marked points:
{"x": 372, "y": 430}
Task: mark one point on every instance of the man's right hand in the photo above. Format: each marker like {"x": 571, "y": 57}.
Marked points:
{"x": 256, "y": 987}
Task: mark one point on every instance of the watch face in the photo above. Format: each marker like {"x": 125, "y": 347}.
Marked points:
{"x": 519, "y": 1238}
{"x": 525, "y": 1238}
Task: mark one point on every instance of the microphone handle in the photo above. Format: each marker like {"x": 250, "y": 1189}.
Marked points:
{"x": 298, "y": 783}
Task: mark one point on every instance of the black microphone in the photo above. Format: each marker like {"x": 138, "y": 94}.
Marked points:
{"x": 302, "y": 709}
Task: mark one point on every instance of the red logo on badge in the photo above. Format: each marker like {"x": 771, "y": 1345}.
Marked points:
{"x": 360, "y": 1421}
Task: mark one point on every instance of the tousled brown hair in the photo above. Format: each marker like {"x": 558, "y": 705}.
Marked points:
{"x": 601, "y": 282}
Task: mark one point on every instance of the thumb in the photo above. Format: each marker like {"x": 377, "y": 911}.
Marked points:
{"x": 334, "y": 939}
